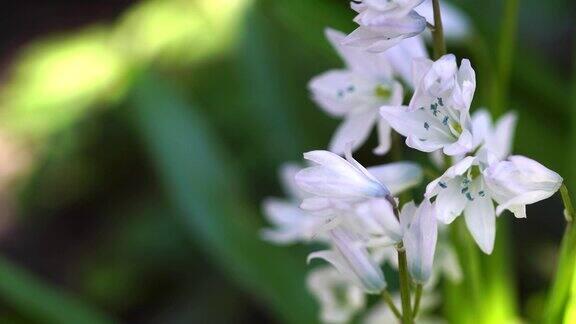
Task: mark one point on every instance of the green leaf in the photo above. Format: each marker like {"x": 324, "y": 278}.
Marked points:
{"x": 201, "y": 184}
{"x": 41, "y": 303}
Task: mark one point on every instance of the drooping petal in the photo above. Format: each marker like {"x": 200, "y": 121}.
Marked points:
{"x": 355, "y": 129}
{"x": 358, "y": 60}
{"x": 378, "y": 214}
{"x": 481, "y": 222}
{"x": 420, "y": 242}
{"x": 337, "y": 178}
{"x": 352, "y": 260}
{"x": 519, "y": 181}
{"x": 397, "y": 176}
{"x": 370, "y": 40}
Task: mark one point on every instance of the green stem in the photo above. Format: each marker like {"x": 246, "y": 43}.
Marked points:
{"x": 388, "y": 299}
{"x": 438, "y": 31}
{"x": 404, "y": 285}
{"x": 560, "y": 291}
{"x": 417, "y": 298}
{"x": 470, "y": 260}
{"x": 568, "y": 207}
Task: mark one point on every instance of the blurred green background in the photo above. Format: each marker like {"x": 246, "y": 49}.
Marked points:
{"x": 137, "y": 139}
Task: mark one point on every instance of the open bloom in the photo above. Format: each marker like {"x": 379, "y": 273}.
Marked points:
{"x": 519, "y": 181}
{"x": 338, "y": 297}
{"x": 438, "y": 114}
{"x": 471, "y": 186}
{"x": 290, "y": 223}
{"x": 462, "y": 188}
{"x": 337, "y": 183}
{"x": 351, "y": 258}
{"x": 355, "y": 94}
{"x": 384, "y": 23}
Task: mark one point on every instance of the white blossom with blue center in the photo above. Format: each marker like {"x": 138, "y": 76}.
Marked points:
{"x": 356, "y": 92}
{"x": 438, "y": 114}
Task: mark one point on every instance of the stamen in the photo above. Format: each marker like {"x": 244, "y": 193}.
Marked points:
{"x": 440, "y": 102}
{"x": 481, "y": 193}
{"x": 426, "y": 125}
{"x": 442, "y": 184}
{"x": 445, "y": 121}
{"x": 464, "y": 189}
{"x": 469, "y": 196}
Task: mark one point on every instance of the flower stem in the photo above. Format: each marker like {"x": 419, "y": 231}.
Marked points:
{"x": 568, "y": 207}
{"x": 388, "y": 299}
{"x": 560, "y": 291}
{"x": 438, "y": 31}
{"x": 404, "y": 285}
{"x": 417, "y": 298}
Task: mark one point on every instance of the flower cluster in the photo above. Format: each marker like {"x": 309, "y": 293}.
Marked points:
{"x": 354, "y": 211}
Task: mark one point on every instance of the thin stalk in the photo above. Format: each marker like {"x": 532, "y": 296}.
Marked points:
{"x": 388, "y": 300}
{"x": 568, "y": 207}
{"x": 417, "y": 298}
{"x": 404, "y": 285}
{"x": 470, "y": 260}
{"x": 438, "y": 41}
{"x": 560, "y": 291}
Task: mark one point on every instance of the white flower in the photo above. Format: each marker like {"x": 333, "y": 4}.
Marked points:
{"x": 351, "y": 258}
{"x": 462, "y": 188}
{"x": 520, "y": 181}
{"x": 339, "y": 298}
{"x": 384, "y": 23}
{"x": 438, "y": 115}
{"x": 420, "y": 240}
{"x": 338, "y": 183}
{"x": 291, "y": 223}
{"x": 495, "y": 140}
{"x": 355, "y": 94}
{"x": 455, "y": 23}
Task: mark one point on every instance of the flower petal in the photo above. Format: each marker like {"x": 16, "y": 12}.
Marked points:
{"x": 501, "y": 143}
{"x": 420, "y": 242}
{"x": 329, "y": 92}
{"x": 355, "y": 129}
{"x": 397, "y": 176}
{"x": 481, "y": 222}
{"x": 370, "y": 40}
{"x": 358, "y": 60}
{"x": 450, "y": 202}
